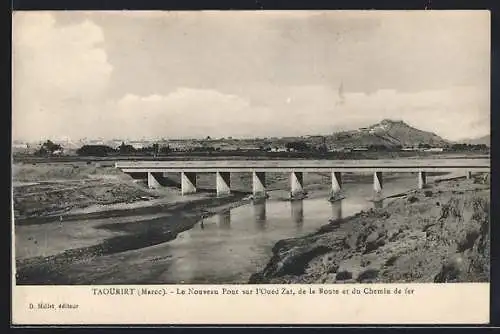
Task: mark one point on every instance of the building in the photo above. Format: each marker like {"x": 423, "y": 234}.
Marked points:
{"x": 434, "y": 149}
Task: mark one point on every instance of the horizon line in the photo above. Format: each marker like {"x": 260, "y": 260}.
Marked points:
{"x": 233, "y": 137}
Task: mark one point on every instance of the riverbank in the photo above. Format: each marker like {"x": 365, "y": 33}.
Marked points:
{"x": 45, "y": 192}
{"x": 438, "y": 234}
{"x": 43, "y": 256}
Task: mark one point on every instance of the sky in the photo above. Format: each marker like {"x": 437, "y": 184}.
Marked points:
{"x": 248, "y": 74}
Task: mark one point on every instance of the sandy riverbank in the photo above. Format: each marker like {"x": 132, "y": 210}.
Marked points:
{"x": 439, "y": 234}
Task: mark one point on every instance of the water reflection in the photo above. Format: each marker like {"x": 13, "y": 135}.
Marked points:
{"x": 297, "y": 208}
{"x": 260, "y": 218}
{"x": 224, "y": 219}
{"x": 259, "y": 211}
{"x": 379, "y": 204}
{"x": 336, "y": 210}
{"x": 236, "y": 243}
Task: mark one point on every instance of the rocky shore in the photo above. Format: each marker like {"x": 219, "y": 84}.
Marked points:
{"x": 438, "y": 234}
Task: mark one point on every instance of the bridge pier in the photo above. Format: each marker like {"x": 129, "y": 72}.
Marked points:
{"x": 188, "y": 183}
{"x": 154, "y": 180}
{"x": 336, "y": 186}
{"x": 377, "y": 182}
{"x": 422, "y": 180}
{"x": 259, "y": 184}
{"x": 296, "y": 184}
{"x": 223, "y": 181}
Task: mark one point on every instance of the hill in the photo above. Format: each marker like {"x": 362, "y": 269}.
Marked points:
{"x": 477, "y": 141}
{"x": 387, "y": 133}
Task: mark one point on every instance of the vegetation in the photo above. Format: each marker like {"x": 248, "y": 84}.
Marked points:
{"x": 95, "y": 150}
{"x": 468, "y": 147}
{"x": 123, "y": 149}
{"x": 299, "y": 146}
{"x": 48, "y": 148}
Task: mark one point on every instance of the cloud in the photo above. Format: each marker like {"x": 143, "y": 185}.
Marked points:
{"x": 193, "y": 77}
{"x": 58, "y": 72}
{"x": 189, "y": 112}
{"x": 185, "y": 112}
{"x": 450, "y": 113}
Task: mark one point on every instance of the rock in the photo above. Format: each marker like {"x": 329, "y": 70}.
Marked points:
{"x": 372, "y": 237}
{"x": 374, "y": 241}
{"x": 296, "y": 262}
{"x": 393, "y": 234}
{"x": 367, "y": 275}
{"x": 390, "y": 261}
{"x": 343, "y": 275}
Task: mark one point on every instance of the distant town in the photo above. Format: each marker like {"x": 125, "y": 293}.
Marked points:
{"x": 386, "y": 136}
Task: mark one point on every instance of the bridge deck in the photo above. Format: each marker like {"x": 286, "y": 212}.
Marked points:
{"x": 395, "y": 165}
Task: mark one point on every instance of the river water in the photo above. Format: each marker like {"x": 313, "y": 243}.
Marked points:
{"x": 231, "y": 246}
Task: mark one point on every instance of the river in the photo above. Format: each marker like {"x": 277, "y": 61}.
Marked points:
{"x": 229, "y": 247}
{"x": 222, "y": 249}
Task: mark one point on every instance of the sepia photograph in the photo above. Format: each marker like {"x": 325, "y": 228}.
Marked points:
{"x": 250, "y": 147}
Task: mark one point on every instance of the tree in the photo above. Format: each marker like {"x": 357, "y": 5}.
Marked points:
{"x": 126, "y": 149}
{"x": 156, "y": 149}
{"x": 48, "y": 148}
{"x": 423, "y": 145}
{"x": 165, "y": 149}
{"x": 94, "y": 150}
{"x": 297, "y": 146}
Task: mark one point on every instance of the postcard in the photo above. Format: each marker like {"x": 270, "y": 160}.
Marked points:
{"x": 251, "y": 167}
